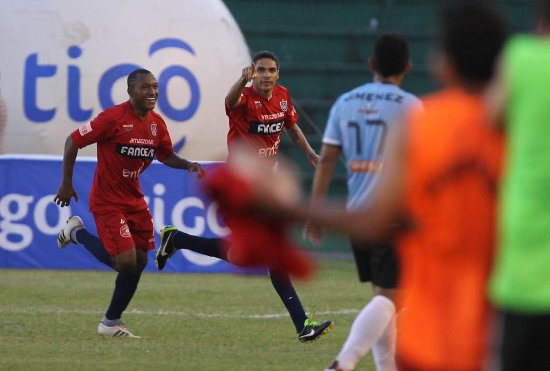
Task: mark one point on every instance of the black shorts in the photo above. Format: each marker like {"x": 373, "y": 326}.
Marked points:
{"x": 523, "y": 342}
{"x": 377, "y": 263}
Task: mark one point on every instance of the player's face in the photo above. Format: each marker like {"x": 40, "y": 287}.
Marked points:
{"x": 144, "y": 93}
{"x": 267, "y": 75}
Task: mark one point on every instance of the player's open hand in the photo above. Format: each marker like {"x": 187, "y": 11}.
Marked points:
{"x": 195, "y": 167}
{"x": 249, "y": 72}
{"x": 314, "y": 159}
{"x": 64, "y": 194}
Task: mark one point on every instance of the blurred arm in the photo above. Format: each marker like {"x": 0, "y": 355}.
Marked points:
{"x": 321, "y": 182}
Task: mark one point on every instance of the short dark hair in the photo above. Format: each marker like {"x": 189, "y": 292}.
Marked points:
{"x": 265, "y": 54}
{"x": 472, "y": 34}
{"x": 544, "y": 10}
{"x": 134, "y": 74}
{"x": 391, "y": 55}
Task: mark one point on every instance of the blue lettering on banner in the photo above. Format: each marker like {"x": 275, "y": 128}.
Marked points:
{"x": 30, "y": 221}
{"x": 35, "y": 71}
{"x": 32, "y": 72}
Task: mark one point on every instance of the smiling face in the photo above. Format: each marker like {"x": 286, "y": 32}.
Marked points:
{"x": 267, "y": 74}
{"x": 143, "y": 94}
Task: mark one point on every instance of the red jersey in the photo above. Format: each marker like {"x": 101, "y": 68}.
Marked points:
{"x": 126, "y": 146}
{"x": 259, "y": 122}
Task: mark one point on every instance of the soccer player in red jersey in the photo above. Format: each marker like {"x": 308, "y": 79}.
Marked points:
{"x": 128, "y": 137}
{"x": 258, "y": 115}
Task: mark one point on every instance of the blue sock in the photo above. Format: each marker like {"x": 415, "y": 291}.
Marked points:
{"x": 288, "y": 295}
{"x": 93, "y": 245}
{"x": 125, "y": 286}
{"x": 203, "y": 245}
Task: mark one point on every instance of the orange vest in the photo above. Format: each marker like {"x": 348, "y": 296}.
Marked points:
{"x": 453, "y": 161}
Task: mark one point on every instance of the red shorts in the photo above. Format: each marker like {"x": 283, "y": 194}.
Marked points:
{"x": 120, "y": 231}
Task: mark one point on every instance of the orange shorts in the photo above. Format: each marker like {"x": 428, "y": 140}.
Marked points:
{"x": 120, "y": 231}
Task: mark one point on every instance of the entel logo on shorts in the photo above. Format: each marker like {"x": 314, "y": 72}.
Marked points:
{"x": 125, "y": 231}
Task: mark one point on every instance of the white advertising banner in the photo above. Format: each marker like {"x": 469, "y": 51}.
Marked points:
{"x": 63, "y": 62}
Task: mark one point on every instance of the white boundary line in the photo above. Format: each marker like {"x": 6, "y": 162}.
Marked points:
{"x": 165, "y": 313}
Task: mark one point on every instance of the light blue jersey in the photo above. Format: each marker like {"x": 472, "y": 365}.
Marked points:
{"x": 359, "y": 122}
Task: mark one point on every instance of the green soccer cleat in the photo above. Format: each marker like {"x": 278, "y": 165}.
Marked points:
{"x": 166, "y": 249}
{"x": 314, "y": 330}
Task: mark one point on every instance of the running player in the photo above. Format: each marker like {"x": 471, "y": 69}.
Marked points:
{"x": 358, "y": 126}
{"x": 128, "y": 137}
{"x": 258, "y": 115}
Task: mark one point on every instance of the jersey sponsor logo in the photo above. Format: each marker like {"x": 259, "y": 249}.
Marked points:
{"x": 125, "y": 231}
{"x": 266, "y": 128}
{"x": 365, "y": 166}
{"x": 154, "y": 129}
{"x": 273, "y": 116}
{"x": 367, "y": 111}
{"x": 143, "y": 152}
{"x": 85, "y": 129}
{"x": 284, "y": 105}
{"x": 269, "y": 151}
{"x": 141, "y": 141}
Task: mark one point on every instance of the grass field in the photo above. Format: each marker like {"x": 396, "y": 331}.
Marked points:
{"x": 48, "y": 321}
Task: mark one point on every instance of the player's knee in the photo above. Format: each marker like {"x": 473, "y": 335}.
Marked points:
{"x": 125, "y": 265}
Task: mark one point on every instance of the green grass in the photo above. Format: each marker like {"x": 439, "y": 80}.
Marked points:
{"x": 48, "y": 321}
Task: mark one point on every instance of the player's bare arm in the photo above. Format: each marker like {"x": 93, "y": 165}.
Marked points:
{"x": 321, "y": 182}
{"x": 233, "y": 98}
{"x": 66, "y": 190}
{"x": 177, "y": 162}
{"x": 296, "y": 135}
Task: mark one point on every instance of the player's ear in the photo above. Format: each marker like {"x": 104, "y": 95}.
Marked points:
{"x": 371, "y": 65}
{"x": 409, "y": 67}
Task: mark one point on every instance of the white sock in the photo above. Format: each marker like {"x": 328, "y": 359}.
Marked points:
{"x": 368, "y": 327}
{"x": 384, "y": 349}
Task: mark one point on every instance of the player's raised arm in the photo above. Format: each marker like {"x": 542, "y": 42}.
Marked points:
{"x": 233, "y": 98}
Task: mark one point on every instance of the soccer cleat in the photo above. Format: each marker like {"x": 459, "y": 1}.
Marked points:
{"x": 116, "y": 330}
{"x": 166, "y": 249}
{"x": 314, "y": 330}
{"x": 64, "y": 236}
{"x": 334, "y": 367}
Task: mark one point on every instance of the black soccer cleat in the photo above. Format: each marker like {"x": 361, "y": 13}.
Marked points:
{"x": 334, "y": 367}
{"x": 166, "y": 249}
{"x": 314, "y": 330}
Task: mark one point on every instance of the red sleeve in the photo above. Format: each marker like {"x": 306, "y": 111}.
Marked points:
{"x": 94, "y": 131}
{"x": 240, "y": 108}
{"x": 291, "y": 115}
{"x": 165, "y": 147}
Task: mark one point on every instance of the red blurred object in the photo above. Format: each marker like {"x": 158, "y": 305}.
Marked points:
{"x": 256, "y": 240}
